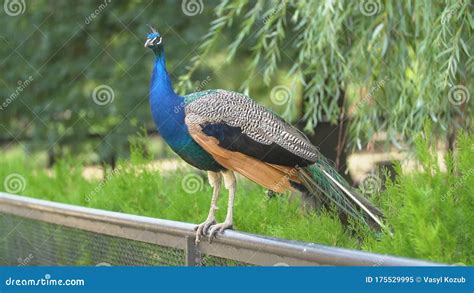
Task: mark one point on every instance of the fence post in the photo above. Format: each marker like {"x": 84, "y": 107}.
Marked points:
{"x": 193, "y": 255}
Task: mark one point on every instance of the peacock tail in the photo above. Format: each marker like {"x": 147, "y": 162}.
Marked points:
{"x": 325, "y": 183}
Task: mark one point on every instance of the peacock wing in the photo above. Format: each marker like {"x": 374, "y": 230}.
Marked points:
{"x": 244, "y": 136}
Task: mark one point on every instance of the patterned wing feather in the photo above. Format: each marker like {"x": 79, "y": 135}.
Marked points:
{"x": 242, "y": 125}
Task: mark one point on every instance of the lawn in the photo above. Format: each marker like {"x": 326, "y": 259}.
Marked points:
{"x": 429, "y": 211}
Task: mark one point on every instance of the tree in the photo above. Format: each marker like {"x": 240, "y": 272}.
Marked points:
{"x": 75, "y": 78}
{"x": 381, "y": 66}
{"x": 385, "y": 66}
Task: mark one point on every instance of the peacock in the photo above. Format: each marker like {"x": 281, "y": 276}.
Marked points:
{"x": 225, "y": 132}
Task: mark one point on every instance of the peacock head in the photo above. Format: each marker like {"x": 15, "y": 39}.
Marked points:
{"x": 154, "y": 40}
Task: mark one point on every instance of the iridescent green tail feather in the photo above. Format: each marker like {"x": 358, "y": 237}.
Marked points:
{"x": 324, "y": 182}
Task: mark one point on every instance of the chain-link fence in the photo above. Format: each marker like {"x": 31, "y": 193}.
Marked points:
{"x": 36, "y": 232}
{"x": 37, "y": 243}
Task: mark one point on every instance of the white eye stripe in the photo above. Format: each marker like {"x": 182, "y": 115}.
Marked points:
{"x": 154, "y": 39}
{"x": 153, "y": 42}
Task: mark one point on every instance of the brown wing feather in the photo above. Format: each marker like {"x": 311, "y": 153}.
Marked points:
{"x": 274, "y": 177}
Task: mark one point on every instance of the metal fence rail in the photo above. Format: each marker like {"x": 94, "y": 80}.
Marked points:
{"x": 166, "y": 242}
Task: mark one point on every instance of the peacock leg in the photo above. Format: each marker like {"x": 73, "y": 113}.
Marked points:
{"x": 230, "y": 184}
{"x": 215, "y": 182}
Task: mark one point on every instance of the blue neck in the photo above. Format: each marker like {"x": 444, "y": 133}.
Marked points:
{"x": 166, "y": 105}
{"x": 161, "y": 81}
{"x": 168, "y": 110}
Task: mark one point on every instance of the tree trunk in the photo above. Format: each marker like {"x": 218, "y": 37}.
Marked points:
{"x": 331, "y": 138}
{"x": 327, "y": 137}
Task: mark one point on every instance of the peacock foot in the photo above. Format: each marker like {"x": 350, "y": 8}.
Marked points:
{"x": 219, "y": 228}
{"x": 202, "y": 228}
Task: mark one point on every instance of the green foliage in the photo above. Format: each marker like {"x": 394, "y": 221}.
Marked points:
{"x": 429, "y": 210}
{"x": 54, "y": 55}
{"x": 418, "y": 50}
{"x": 69, "y": 50}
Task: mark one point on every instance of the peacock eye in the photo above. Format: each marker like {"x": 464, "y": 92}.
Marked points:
{"x": 157, "y": 41}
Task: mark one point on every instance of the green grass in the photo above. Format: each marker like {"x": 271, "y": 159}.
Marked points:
{"x": 430, "y": 212}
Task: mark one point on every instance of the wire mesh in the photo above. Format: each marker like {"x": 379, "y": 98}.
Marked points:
{"x": 35, "y": 243}
{"x": 214, "y": 261}
{"x": 29, "y": 242}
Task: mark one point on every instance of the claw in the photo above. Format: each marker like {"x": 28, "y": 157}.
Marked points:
{"x": 218, "y": 228}
{"x": 202, "y": 228}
